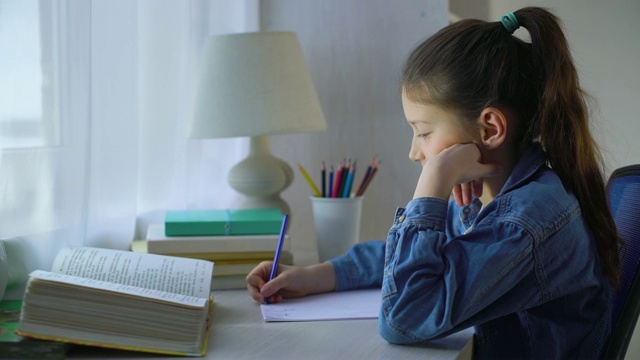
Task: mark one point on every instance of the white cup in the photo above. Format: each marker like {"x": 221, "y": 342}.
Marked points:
{"x": 337, "y": 224}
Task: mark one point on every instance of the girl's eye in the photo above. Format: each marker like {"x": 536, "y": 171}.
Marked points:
{"x": 424, "y": 135}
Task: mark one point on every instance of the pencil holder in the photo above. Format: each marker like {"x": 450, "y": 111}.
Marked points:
{"x": 337, "y": 224}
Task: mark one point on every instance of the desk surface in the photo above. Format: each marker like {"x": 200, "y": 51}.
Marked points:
{"x": 238, "y": 332}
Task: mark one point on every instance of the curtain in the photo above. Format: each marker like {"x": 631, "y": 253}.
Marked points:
{"x": 107, "y": 150}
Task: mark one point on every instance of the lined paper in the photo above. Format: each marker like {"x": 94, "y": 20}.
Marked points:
{"x": 354, "y": 304}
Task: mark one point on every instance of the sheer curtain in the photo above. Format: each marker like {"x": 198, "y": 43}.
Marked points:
{"x": 108, "y": 121}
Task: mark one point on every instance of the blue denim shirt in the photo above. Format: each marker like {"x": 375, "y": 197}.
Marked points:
{"x": 523, "y": 270}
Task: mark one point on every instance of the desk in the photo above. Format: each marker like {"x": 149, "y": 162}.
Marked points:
{"x": 238, "y": 332}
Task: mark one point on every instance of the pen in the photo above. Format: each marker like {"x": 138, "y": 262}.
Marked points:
{"x": 276, "y": 256}
{"x": 306, "y": 176}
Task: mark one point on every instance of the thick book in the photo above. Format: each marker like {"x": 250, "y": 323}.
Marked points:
{"x": 140, "y": 245}
{"x": 223, "y": 222}
{"x": 122, "y": 300}
{"x": 229, "y": 264}
{"x": 159, "y": 243}
{"x": 14, "y": 346}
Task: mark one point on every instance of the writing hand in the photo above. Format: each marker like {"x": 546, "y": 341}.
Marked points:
{"x": 290, "y": 282}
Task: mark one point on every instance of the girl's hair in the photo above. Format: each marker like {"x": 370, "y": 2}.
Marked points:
{"x": 471, "y": 65}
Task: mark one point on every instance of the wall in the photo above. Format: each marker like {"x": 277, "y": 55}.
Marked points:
{"x": 354, "y": 53}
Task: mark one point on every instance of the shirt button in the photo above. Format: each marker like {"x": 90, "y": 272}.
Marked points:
{"x": 401, "y": 218}
{"x": 466, "y": 210}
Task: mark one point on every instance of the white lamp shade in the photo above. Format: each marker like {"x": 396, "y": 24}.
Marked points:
{"x": 255, "y": 84}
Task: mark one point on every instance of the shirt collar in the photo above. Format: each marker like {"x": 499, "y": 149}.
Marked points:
{"x": 532, "y": 160}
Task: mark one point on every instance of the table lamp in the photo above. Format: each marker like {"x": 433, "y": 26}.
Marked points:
{"x": 256, "y": 85}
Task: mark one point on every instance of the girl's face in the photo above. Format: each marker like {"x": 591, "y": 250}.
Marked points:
{"x": 434, "y": 130}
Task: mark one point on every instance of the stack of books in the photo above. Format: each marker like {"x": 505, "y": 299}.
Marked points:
{"x": 236, "y": 240}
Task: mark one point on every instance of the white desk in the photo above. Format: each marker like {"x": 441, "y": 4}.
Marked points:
{"x": 238, "y": 332}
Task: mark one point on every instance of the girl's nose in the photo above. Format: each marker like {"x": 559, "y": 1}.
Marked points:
{"x": 414, "y": 153}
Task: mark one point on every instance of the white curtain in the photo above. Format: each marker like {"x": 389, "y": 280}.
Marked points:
{"x": 108, "y": 122}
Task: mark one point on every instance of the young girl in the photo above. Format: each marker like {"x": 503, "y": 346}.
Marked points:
{"x": 527, "y": 251}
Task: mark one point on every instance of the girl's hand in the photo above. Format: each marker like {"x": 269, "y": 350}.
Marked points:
{"x": 290, "y": 282}
{"x": 465, "y": 192}
{"x": 456, "y": 169}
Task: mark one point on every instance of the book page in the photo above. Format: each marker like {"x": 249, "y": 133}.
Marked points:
{"x": 165, "y": 273}
{"x": 98, "y": 286}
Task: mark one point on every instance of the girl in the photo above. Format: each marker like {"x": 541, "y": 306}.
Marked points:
{"x": 526, "y": 252}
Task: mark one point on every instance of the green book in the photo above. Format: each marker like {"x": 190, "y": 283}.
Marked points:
{"x": 223, "y": 222}
{"x": 14, "y": 346}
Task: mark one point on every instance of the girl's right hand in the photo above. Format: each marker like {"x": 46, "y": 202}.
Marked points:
{"x": 290, "y": 282}
{"x": 458, "y": 169}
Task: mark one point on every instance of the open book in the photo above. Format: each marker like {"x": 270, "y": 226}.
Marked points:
{"x": 120, "y": 299}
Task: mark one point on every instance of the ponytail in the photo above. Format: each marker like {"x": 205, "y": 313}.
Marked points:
{"x": 562, "y": 127}
{"x": 471, "y": 65}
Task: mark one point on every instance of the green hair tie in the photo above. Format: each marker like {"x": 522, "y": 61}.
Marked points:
{"x": 510, "y": 22}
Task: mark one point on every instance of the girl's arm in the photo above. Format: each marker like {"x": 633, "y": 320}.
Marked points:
{"x": 434, "y": 285}
{"x": 361, "y": 267}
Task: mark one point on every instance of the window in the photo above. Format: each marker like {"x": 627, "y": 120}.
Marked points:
{"x": 29, "y": 108}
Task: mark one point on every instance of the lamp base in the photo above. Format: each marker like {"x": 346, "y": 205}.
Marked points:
{"x": 251, "y": 202}
{"x": 261, "y": 177}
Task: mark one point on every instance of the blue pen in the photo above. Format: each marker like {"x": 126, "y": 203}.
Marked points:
{"x": 276, "y": 256}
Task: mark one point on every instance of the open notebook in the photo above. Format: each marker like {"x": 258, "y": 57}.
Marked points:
{"x": 355, "y": 304}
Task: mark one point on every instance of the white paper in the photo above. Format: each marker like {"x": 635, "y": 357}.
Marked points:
{"x": 355, "y": 304}
{"x": 165, "y": 273}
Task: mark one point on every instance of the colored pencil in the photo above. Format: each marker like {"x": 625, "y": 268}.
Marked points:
{"x": 349, "y": 182}
{"x": 312, "y": 185}
{"x": 336, "y": 186}
{"x": 323, "y": 173}
{"x": 330, "y": 188}
{"x": 373, "y": 173}
{"x": 345, "y": 171}
{"x": 365, "y": 177}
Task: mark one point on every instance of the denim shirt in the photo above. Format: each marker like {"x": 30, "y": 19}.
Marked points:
{"x": 523, "y": 270}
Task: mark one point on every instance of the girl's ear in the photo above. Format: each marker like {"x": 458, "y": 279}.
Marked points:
{"x": 493, "y": 128}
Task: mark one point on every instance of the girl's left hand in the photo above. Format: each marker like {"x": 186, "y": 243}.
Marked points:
{"x": 458, "y": 169}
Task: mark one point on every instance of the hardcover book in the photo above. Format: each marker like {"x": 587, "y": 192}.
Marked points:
{"x": 122, "y": 300}
{"x": 226, "y": 264}
{"x": 159, "y": 243}
{"x": 223, "y": 222}
{"x": 140, "y": 245}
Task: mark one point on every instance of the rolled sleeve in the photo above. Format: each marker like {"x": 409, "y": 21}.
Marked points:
{"x": 426, "y": 212}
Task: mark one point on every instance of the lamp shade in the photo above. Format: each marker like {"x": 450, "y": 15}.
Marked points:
{"x": 254, "y": 84}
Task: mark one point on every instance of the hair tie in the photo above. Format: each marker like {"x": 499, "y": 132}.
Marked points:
{"x": 510, "y": 22}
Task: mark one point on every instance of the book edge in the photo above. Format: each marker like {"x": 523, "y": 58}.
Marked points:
{"x": 202, "y": 352}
